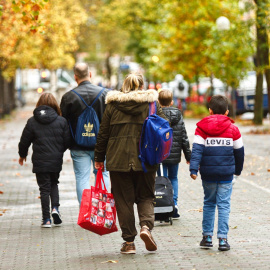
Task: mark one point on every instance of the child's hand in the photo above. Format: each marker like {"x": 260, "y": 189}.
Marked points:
{"x": 99, "y": 165}
{"x": 193, "y": 176}
{"x": 21, "y": 160}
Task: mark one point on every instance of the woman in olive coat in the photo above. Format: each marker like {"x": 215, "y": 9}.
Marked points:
{"x": 118, "y": 140}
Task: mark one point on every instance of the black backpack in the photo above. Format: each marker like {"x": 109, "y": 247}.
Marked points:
{"x": 181, "y": 86}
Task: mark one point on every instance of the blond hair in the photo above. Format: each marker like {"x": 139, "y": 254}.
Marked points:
{"x": 165, "y": 97}
{"x": 49, "y": 100}
{"x": 133, "y": 82}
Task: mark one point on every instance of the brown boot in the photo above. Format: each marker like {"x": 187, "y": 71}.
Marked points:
{"x": 128, "y": 248}
{"x": 146, "y": 236}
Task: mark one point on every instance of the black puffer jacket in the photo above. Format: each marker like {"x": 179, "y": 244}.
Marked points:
{"x": 50, "y": 136}
{"x": 180, "y": 139}
{"x": 72, "y": 106}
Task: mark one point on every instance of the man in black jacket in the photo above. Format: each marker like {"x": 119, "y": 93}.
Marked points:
{"x": 72, "y": 106}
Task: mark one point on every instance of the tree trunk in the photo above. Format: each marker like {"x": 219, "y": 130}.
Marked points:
{"x": 262, "y": 58}
{"x": 258, "y": 109}
{"x": 109, "y": 69}
{"x": 1, "y": 95}
{"x": 267, "y": 76}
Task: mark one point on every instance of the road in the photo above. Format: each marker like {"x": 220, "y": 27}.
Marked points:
{"x": 25, "y": 245}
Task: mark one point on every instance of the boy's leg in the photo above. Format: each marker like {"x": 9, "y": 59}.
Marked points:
{"x": 173, "y": 176}
{"x": 54, "y": 190}
{"x": 82, "y": 166}
{"x": 209, "y": 207}
{"x": 224, "y": 193}
{"x": 44, "y": 183}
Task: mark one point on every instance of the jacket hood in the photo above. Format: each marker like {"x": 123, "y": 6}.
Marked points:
{"x": 133, "y": 102}
{"x": 45, "y": 114}
{"x": 214, "y": 125}
{"x": 173, "y": 114}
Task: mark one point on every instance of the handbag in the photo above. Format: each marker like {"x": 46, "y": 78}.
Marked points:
{"x": 97, "y": 211}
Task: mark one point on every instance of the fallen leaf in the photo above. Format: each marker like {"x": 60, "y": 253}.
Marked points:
{"x": 198, "y": 210}
{"x": 110, "y": 261}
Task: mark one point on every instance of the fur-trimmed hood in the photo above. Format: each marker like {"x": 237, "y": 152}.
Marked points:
{"x": 139, "y": 96}
{"x": 132, "y": 103}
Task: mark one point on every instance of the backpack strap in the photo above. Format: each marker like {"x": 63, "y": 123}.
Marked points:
{"x": 140, "y": 147}
{"x": 84, "y": 100}
{"x": 97, "y": 96}
{"x": 152, "y": 108}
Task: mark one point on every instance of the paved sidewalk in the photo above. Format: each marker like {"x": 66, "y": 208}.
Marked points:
{"x": 25, "y": 245}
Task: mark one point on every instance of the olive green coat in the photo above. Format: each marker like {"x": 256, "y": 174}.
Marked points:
{"x": 120, "y": 129}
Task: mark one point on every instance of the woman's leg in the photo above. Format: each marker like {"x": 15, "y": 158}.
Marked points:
{"x": 145, "y": 197}
{"x": 124, "y": 194}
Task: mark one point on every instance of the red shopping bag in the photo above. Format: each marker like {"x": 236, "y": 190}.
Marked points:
{"x": 97, "y": 211}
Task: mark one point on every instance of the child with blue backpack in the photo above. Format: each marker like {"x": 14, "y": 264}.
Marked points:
{"x": 218, "y": 152}
{"x": 180, "y": 143}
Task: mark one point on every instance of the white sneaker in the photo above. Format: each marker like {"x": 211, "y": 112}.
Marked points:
{"x": 46, "y": 223}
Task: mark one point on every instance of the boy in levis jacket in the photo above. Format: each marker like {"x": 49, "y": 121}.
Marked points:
{"x": 218, "y": 152}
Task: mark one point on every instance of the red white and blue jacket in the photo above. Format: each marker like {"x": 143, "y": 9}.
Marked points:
{"x": 218, "y": 150}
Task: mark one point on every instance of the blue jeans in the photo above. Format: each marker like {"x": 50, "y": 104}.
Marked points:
{"x": 82, "y": 166}
{"x": 216, "y": 194}
{"x": 171, "y": 171}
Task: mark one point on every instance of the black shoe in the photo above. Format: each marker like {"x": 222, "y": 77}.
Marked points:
{"x": 223, "y": 244}
{"x": 56, "y": 217}
{"x": 176, "y": 213}
{"x": 206, "y": 242}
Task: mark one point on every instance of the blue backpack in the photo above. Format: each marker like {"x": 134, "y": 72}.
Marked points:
{"x": 87, "y": 125}
{"x": 156, "y": 138}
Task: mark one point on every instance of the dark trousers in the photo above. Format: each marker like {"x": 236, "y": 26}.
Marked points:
{"x": 129, "y": 188}
{"x": 48, "y": 187}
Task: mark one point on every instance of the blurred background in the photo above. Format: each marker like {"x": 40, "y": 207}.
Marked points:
{"x": 194, "y": 48}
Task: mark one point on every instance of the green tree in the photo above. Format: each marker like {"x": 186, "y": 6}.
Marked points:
{"x": 262, "y": 58}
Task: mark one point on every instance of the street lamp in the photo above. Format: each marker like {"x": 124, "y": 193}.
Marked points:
{"x": 223, "y": 23}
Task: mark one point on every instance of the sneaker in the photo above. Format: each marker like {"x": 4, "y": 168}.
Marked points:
{"x": 223, "y": 244}
{"x": 176, "y": 213}
{"x": 56, "y": 217}
{"x": 46, "y": 223}
{"x": 128, "y": 248}
{"x": 206, "y": 242}
{"x": 146, "y": 236}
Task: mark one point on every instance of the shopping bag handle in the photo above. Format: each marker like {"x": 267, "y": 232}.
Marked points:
{"x": 100, "y": 180}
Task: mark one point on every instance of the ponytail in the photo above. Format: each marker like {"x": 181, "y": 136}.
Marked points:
{"x": 133, "y": 82}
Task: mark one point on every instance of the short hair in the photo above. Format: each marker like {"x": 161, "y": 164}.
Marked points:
{"x": 165, "y": 97}
{"x": 81, "y": 70}
{"x": 218, "y": 104}
{"x": 49, "y": 100}
{"x": 133, "y": 81}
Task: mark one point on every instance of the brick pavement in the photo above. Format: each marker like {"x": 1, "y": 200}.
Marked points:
{"x": 25, "y": 245}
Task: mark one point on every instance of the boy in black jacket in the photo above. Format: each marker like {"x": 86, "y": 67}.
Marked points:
{"x": 50, "y": 135}
{"x": 180, "y": 142}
